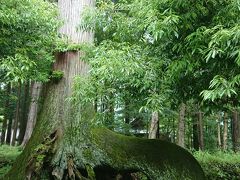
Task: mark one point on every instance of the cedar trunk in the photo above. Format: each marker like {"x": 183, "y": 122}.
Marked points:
{"x": 33, "y": 110}
{"x": 225, "y": 131}
{"x": 17, "y": 116}
{"x": 181, "y": 126}
{"x": 65, "y": 145}
{"x": 154, "y": 126}
{"x": 200, "y": 124}
{"x": 236, "y": 131}
{"x": 6, "y": 113}
{"x": 24, "y": 112}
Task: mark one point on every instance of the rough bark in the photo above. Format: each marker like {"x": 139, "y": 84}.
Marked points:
{"x": 195, "y": 132}
{"x": 236, "y": 131}
{"x": 33, "y": 111}
{"x": 24, "y": 112}
{"x": 219, "y": 140}
{"x": 65, "y": 145}
{"x": 200, "y": 124}
{"x": 17, "y": 115}
{"x": 154, "y": 126}
{"x": 9, "y": 128}
{"x": 225, "y": 131}
{"x": 181, "y": 126}
{"x": 6, "y": 113}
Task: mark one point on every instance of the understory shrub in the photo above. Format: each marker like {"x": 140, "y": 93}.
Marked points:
{"x": 220, "y": 165}
{"x": 8, "y": 154}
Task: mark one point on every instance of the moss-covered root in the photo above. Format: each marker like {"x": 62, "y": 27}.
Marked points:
{"x": 157, "y": 159}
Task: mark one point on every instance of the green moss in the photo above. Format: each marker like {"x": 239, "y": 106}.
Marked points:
{"x": 56, "y": 76}
{"x": 153, "y": 157}
{"x": 90, "y": 172}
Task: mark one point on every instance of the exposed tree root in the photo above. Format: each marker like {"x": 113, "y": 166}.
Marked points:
{"x": 41, "y": 155}
{"x": 106, "y": 156}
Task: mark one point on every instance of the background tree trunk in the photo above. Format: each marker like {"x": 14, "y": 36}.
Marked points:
{"x": 6, "y": 113}
{"x": 24, "y": 112}
{"x": 17, "y": 116}
{"x": 200, "y": 123}
{"x": 225, "y": 131}
{"x": 33, "y": 111}
{"x": 181, "y": 126}
{"x": 219, "y": 140}
{"x": 195, "y": 132}
{"x": 236, "y": 131}
{"x": 9, "y": 126}
{"x": 154, "y": 126}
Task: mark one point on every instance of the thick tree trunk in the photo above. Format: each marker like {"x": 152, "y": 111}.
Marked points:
{"x": 33, "y": 111}
{"x": 17, "y": 116}
{"x": 181, "y": 126}
{"x": 6, "y": 113}
{"x": 65, "y": 145}
{"x": 225, "y": 131}
{"x": 154, "y": 126}
{"x": 236, "y": 131}
{"x": 24, "y": 113}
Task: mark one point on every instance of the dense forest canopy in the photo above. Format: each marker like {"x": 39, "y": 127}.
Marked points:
{"x": 159, "y": 69}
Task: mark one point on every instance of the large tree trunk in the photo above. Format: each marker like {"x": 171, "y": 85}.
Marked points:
{"x": 154, "y": 126}
{"x": 65, "y": 145}
{"x": 6, "y": 113}
{"x": 33, "y": 110}
{"x": 236, "y": 131}
{"x": 181, "y": 126}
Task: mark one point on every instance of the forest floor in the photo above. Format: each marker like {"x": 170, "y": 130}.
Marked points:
{"x": 216, "y": 165}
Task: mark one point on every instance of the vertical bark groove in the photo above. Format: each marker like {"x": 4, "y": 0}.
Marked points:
{"x": 154, "y": 126}
{"x": 225, "y": 131}
{"x": 181, "y": 126}
{"x": 33, "y": 110}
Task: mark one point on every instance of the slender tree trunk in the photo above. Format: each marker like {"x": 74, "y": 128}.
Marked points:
{"x": 126, "y": 111}
{"x": 96, "y": 105}
{"x": 24, "y": 113}
{"x": 154, "y": 126}
{"x": 195, "y": 132}
{"x": 200, "y": 123}
{"x": 9, "y": 126}
{"x": 17, "y": 116}
{"x": 33, "y": 111}
{"x": 174, "y": 131}
{"x": 236, "y": 131}
{"x": 6, "y": 113}
{"x": 219, "y": 141}
{"x": 181, "y": 126}
{"x": 225, "y": 131}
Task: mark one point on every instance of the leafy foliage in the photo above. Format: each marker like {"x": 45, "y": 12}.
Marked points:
{"x": 220, "y": 165}
{"x": 28, "y": 30}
